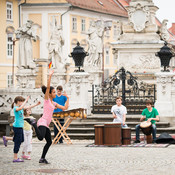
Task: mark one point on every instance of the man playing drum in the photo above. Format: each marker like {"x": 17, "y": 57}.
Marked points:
{"x": 119, "y": 112}
{"x": 150, "y": 114}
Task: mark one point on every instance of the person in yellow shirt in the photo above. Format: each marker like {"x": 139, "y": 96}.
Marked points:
{"x": 28, "y": 132}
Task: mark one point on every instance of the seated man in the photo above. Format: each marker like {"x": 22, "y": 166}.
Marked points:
{"x": 150, "y": 114}
{"x": 119, "y": 112}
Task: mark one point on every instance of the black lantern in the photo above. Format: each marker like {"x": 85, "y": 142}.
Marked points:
{"x": 78, "y": 56}
{"x": 165, "y": 55}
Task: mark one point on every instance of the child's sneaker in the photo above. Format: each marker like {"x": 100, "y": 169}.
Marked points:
{"x": 25, "y": 157}
{"x": 18, "y": 160}
{"x": 29, "y": 158}
{"x": 4, "y": 140}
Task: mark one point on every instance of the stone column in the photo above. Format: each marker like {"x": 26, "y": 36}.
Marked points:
{"x": 164, "y": 103}
{"x": 78, "y": 87}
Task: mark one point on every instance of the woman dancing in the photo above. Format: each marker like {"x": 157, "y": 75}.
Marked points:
{"x": 42, "y": 127}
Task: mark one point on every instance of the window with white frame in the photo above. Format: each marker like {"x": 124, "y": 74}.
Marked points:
{"x": 9, "y": 46}
{"x": 83, "y": 25}
{"x": 9, "y": 80}
{"x": 9, "y": 8}
{"x": 107, "y": 56}
{"x": 74, "y": 24}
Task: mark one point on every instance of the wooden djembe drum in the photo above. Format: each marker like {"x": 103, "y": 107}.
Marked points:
{"x": 146, "y": 128}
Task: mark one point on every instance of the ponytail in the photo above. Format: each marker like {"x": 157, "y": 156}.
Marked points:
{"x": 43, "y": 88}
{"x": 12, "y": 105}
{"x": 18, "y": 98}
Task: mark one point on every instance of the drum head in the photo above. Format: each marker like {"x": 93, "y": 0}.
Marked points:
{"x": 145, "y": 124}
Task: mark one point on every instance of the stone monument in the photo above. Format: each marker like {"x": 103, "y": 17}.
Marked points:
{"x": 93, "y": 63}
{"x": 55, "y": 46}
{"x": 26, "y": 73}
{"x": 140, "y": 39}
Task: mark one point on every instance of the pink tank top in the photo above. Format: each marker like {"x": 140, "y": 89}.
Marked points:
{"x": 47, "y": 113}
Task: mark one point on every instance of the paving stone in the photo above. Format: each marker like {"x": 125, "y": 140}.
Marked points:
{"x": 77, "y": 159}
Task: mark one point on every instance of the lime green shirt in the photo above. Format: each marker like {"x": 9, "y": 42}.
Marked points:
{"x": 151, "y": 114}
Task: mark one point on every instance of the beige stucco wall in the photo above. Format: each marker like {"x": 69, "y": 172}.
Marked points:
{"x": 6, "y": 63}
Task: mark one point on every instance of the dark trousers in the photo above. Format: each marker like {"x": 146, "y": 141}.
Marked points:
{"x": 18, "y": 138}
{"x": 43, "y": 132}
{"x": 56, "y": 130}
{"x": 153, "y": 132}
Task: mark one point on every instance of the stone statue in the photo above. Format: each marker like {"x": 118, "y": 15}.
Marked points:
{"x": 163, "y": 30}
{"x": 95, "y": 40}
{"x": 55, "y": 48}
{"x": 27, "y": 34}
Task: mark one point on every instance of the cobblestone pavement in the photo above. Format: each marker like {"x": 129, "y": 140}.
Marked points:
{"x": 76, "y": 159}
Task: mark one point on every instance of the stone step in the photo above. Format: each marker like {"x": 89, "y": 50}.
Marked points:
{"x": 130, "y": 124}
{"x": 108, "y": 117}
{"x": 90, "y": 136}
{"x": 91, "y": 130}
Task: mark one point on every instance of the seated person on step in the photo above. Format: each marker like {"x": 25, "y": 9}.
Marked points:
{"x": 119, "y": 112}
{"x": 150, "y": 114}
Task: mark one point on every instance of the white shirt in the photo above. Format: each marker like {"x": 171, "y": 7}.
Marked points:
{"x": 119, "y": 111}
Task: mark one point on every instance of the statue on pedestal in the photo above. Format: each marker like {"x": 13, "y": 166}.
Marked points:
{"x": 55, "y": 48}
{"x": 27, "y": 34}
{"x": 95, "y": 40}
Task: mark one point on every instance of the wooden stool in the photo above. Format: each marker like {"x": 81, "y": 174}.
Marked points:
{"x": 99, "y": 134}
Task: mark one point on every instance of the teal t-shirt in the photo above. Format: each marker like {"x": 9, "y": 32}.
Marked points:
{"x": 151, "y": 114}
{"x": 19, "y": 118}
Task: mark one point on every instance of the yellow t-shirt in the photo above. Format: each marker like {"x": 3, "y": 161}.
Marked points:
{"x": 27, "y": 126}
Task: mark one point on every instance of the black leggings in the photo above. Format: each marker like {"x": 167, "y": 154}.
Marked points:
{"x": 43, "y": 132}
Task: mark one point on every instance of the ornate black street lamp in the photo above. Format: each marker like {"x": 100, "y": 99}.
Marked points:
{"x": 78, "y": 56}
{"x": 165, "y": 54}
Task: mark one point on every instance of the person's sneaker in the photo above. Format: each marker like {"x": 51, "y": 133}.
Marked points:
{"x": 25, "y": 157}
{"x": 18, "y": 160}
{"x": 29, "y": 158}
{"x": 153, "y": 141}
{"x": 60, "y": 142}
{"x": 31, "y": 121}
{"x": 137, "y": 141}
{"x": 4, "y": 140}
{"x": 42, "y": 160}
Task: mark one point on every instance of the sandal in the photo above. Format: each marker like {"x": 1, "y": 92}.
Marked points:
{"x": 4, "y": 140}
{"x": 25, "y": 157}
{"x": 18, "y": 160}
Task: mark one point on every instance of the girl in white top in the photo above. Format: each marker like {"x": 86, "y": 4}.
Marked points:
{"x": 28, "y": 132}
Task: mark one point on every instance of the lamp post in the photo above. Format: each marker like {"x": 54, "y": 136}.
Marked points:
{"x": 13, "y": 58}
{"x": 165, "y": 54}
{"x": 78, "y": 56}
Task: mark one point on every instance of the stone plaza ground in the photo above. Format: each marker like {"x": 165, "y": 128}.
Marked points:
{"x": 77, "y": 159}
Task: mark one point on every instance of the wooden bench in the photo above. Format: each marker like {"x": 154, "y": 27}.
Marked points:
{"x": 5, "y": 122}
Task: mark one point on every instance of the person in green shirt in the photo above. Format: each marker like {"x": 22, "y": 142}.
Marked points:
{"x": 149, "y": 114}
